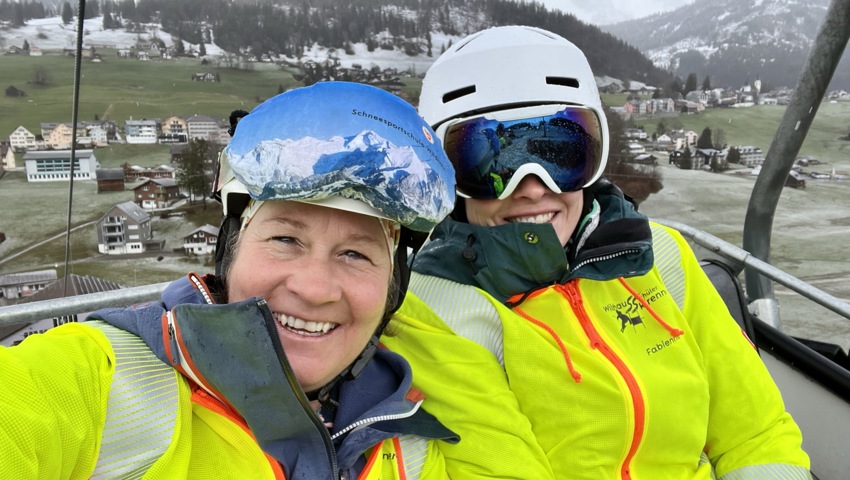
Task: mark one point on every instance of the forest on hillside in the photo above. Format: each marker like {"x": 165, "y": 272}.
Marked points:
{"x": 290, "y": 27}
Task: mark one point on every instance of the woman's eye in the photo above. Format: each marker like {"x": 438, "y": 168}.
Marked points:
{"x": 355, "y": 255}
{"x": 285, "y": 239}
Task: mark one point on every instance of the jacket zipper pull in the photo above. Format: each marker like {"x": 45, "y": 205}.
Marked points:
{"x": 172, "y": 340}
{"x": 572, "y": 294}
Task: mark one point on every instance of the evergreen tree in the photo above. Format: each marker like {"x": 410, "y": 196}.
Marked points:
{"x": 706, "y": 83}
{"x": 690, "y": 83}
{"x": 178, "y": 47}
{"x": 127, "y": 9}
{"x": 734, "y": 155}
{"x": 26, "y": 47}
{"x": 675, "y": 88}
{"x": 202, "y": 50}
{"x": 715, "y": 164}
{"x": 18, "y": 15}
{"x": 92, "y": 9}
{"x": 67, "y": 13}
{"x": 704, "y": 140}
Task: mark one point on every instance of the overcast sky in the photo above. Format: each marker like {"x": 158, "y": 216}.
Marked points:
{"x": 602, "y": 12}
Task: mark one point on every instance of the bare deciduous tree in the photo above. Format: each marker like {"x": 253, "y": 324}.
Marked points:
{"x": 40, "y": 75}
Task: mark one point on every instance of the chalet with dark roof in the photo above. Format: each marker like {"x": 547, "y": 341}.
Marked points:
{"x": 156, "y": 193}
{"x": 201, "y": 241}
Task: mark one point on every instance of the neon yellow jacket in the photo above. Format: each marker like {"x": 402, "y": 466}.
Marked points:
{"x": 90, "y": 400}
{"x": 629, "y": 368}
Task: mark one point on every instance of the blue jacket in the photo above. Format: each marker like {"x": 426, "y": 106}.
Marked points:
{"x": 235, "y": 354}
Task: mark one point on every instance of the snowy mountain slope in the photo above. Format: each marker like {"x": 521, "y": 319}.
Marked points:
{"x": 51, "y": 34}
{"x": 733, "y": 40}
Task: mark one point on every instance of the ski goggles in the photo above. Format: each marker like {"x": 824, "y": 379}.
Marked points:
{"x": 492, "y": 152}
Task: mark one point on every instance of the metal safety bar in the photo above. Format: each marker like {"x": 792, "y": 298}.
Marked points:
{"x": 747, "y": 261}
{"x": 24, "y": 313}
{"x": 34, "y": 311}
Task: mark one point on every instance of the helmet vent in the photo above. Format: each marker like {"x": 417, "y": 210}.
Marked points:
{"x": 563, "y": 81}
{"x": 462, "y": 92}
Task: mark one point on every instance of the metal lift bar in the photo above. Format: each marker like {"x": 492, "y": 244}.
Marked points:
{"x": 814, "y": 80}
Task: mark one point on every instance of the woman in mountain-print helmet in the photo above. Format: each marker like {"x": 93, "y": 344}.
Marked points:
{"x": 567, "y": 324}
{"x": 271, "y": 368}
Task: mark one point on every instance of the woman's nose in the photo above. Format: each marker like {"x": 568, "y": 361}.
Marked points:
{"x": 315, "y": 282}
{"x": 531, "y": 187}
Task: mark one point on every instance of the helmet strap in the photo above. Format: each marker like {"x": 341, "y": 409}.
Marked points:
{"x": 229, "y": 228}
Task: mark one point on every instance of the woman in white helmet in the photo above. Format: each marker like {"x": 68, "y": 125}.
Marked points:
{"x": 271, "y": 369}
{"x": 566, "y": 323}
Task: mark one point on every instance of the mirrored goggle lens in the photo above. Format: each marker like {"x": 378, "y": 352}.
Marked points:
{"x": 486, "y": 153}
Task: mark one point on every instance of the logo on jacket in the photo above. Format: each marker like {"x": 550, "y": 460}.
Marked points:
{"x": 626, "y": 319}
{"x": 628, "y": 313}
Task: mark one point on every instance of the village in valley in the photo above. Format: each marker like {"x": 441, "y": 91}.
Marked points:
{"x": 154, "y": 193}
{"x": 705, "y": 150}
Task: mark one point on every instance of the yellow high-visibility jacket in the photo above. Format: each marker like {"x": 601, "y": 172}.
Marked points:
{"x": 620, "y": 361}
{"x": 89, "y": 400}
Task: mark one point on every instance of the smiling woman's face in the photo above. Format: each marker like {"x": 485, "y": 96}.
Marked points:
{"x": 531, "y": 202}
{"x": 325, "y": 274}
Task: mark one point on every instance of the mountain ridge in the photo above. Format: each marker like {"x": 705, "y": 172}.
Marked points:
{"x": 733, "y": 41}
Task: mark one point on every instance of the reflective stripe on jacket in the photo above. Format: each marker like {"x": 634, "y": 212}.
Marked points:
{"x": 582, "y": 372}
{"x": 87, "y": 400}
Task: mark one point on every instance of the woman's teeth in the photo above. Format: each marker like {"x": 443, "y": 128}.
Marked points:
{"x": 303, "y": 327}
{"x": 542, "y": 218}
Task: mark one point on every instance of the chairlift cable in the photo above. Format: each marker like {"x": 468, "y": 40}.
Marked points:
{"x": 81, "y": 13}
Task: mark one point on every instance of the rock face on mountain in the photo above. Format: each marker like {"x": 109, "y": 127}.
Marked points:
{"x": 734, "y": 41}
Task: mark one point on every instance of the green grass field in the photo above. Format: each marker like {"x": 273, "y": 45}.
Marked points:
{"x": 118, "y": 89}
{"x": 757, "y": 126}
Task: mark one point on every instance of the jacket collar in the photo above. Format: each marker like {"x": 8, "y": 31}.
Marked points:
{"x": 613, "y": 240}
{"x": 242, "y": 364}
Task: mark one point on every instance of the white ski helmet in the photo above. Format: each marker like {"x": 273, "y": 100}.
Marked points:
{"x": 508, "y": 67}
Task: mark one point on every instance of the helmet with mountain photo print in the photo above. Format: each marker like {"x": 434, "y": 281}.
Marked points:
{"x": 308, "y": 145}
{"x": 546, "y": 70}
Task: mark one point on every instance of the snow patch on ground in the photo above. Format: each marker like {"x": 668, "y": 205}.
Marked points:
{"x": 52, "y": 34}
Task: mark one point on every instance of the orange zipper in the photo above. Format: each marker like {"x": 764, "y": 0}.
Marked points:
{"x": 571, "y": 292}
